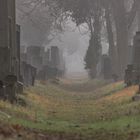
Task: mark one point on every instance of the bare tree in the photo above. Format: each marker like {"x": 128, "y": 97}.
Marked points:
{"x": 39, "y": 20}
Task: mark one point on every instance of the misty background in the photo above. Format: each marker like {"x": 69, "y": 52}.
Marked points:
{"x": 74, "y": 41}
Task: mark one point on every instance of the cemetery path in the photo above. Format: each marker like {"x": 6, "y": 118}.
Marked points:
{"x": 73, "y": 110}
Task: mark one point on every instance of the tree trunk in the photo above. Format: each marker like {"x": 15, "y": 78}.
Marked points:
{"x": 112, "y": 48}
{"x": 138, "y": 15}
{"x": 94, "y": 52}
{"x": 97, "y": 39}
{"x": 121, "y": 35}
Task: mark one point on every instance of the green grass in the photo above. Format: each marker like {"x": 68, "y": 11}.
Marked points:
{"x": 131, "y": 122}
{"x": 125, "y": 128}
{"x": 106, "y": 109}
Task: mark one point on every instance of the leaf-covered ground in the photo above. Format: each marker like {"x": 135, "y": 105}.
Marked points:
{"x": 73, "y": 111}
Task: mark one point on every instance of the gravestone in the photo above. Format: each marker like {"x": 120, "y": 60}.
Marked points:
{"x": 34, "y": 56}
{"x": 46, "y": 57}
{"x": 54, "y": 56}
{"x": 106, "y": 67}
{"x": 2, "y": 93}
{"x": 53, "y": 64}
{"x": 10, "y": 82}
{"x": 132, "y": 73}
{"x": 18, "y": 50}
{"x": 28, "y": 73}
{"x": 136, "y": 57}
{"x": 8, "y": 48}
{"x": 7, "y": 38}
{"x": 61, "y": 66}
{"x": 136, "y": 63}
{"x": 129, "y": 75}
{"x": 47, "y": 73}
{"x": 136, "y": 52}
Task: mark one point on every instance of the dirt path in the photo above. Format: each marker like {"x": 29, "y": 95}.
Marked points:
{"x": 86, "y": 102}
{"x": 82, "y": 85}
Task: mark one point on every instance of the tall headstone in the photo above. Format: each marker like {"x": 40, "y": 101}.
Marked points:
{"x": 138, "y": 15}
{"x": 7, "y": 38}
{"x": 54, "y": 56}
{"x": 46, "y": 58}
{"x": 128, "y": 79}
{"x": 18, "y": 50}
{"x": 61, "y": 65}
{"x": 9, "y": 48}
{"x": 136, "y": 64}
{"x": 106, "y": 67}
{"x": 136, "y": 52}
{"x": 132, "y": 73}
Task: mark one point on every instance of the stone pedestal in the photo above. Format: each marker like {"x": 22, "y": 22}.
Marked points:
{"x": 10, "y": 87}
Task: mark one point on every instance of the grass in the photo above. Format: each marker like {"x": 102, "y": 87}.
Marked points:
{"x": 107, "y": 109}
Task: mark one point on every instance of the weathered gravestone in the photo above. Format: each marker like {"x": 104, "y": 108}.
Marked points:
{"x": 132, "y": 73}
{"x": 9, "y": 53}
{"x": 28, "y": 73}
{"x": 129, "y": 75}
{"x": 136, "y": 52}
{"x": 10, "y": 82}
{"x": 136, "y": 63}
{"x": 50, "y": 69}
{"x": 18, "y": 50}
{"x": 54, "y": 56}
{"x": 106, "y": 67}
{"x": 2, "y": 92}
{"x": 46, "y": 57}
{"x": 136, "y": 58}
{"x": 53, "y": 64}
